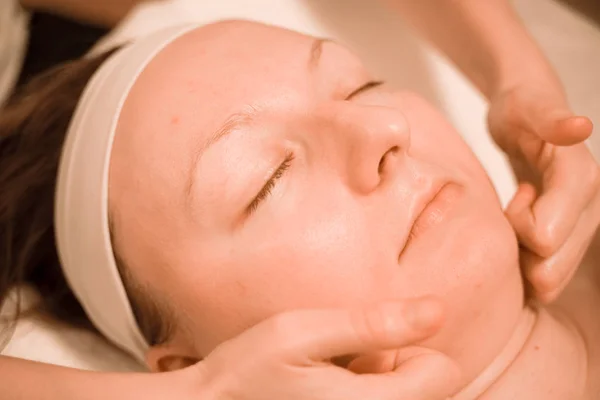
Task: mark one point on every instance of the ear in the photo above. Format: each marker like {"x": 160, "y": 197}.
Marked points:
{"x": 168, "y": 357}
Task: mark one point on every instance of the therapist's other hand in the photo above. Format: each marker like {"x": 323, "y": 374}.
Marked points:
{"x": 555, "y": 210}
{"x": 290, "y": 357}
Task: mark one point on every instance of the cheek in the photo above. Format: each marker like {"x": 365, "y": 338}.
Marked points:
{"x": 434, "y": 139}
{"x": 319, "y": 256}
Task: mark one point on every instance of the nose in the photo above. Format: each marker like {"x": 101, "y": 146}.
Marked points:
{"x": 370, "y": 141}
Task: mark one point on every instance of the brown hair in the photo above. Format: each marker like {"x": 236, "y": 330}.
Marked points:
{"x": 33, "y": 125}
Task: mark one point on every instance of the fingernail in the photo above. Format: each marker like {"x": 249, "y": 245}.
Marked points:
{"x": 425, "y": 314}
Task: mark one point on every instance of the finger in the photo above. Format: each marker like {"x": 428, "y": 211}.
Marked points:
{"x": 428, "y": 376}
{"x": 519, "y": 213}
{"x": 548, "y": 277}
{"x": 565, "y": 130}
{"x": 544, "y": 223}
{"x": 373, "y": 363}
{"x": 322, "y": 335}
{"x": 550, "y": 122}
{"x": 569, "y": 184}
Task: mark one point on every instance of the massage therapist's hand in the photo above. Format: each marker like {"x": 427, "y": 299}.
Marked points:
{"x": 289, "y": 357}
{"x": 555, "y": 210}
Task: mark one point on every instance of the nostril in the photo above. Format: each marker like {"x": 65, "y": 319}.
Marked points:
{"x": 382, "y": 162}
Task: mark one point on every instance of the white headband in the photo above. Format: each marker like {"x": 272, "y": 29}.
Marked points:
{"x": 81, "y": 212}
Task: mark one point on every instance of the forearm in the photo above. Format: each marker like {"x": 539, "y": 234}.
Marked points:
{"x": 484, "y": 38}
{"x": 31, "y": 380}
{"x": 106, "y": 13}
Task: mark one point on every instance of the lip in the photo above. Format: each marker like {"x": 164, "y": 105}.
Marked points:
{"x": 432, "y": 210}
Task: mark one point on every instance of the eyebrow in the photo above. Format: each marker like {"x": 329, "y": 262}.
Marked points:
{"x": 235, "y": 122}
{"x": 243, "y": 119}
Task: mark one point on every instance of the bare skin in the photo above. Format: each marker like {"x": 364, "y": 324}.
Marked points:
{"x": 319, "y": 111}
{"x": 523, "y": 96}
{"x": 560, "y": 359}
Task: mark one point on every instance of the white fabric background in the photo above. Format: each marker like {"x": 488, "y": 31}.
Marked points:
{"x": 380, "y": 38}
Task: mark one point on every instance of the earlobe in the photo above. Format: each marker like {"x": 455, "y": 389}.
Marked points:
{"x": 166, "y": 358}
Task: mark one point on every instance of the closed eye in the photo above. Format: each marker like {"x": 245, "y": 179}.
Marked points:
{"x": 367, "y": 86}
{"x": 268, "y": 187}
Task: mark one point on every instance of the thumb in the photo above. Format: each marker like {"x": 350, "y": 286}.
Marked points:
{"x": 553, "y": 123}
{"x": 323, "y": 335}
{"x": 565, "y": 130}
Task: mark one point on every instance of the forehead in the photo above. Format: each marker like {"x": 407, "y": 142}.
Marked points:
{"x": 213, "y": 71}
{"x": 192, "y": 86}
{"x": 182, "y": 96}
{"x": 196, "y": 82}
{"x": 216, "y": 70}
{"x": 188, "y": 91}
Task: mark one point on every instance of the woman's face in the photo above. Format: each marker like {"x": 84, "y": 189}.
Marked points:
{"x": 256, "y": 170}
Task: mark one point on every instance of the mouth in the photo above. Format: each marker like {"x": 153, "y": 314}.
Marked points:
{"x": 432, "y": 211}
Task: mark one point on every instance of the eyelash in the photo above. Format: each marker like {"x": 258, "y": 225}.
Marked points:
{"x": 268, "y": 187}
{"x": 367, "y": 86}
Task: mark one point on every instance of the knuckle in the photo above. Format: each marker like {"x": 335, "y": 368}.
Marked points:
{"x": 283, "y": 334}
{"x": 547, "y": 297}
{"x": 546, "y": 279}
{"x": 447, "y": 371}
{"x": 282, "y": 325}
{"x": 374, "y": 325}
{"x": 547, "y": 241}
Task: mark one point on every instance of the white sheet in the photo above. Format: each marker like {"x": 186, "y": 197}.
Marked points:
{"x": 380, "y": 38}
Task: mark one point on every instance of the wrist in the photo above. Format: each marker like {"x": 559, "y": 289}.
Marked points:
{"x": 505, "y": 53}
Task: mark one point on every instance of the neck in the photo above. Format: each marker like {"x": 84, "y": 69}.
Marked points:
{"x": 503, "y": 361}
{"x": 546, "y": 350}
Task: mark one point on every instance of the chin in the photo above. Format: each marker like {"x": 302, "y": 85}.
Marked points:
{"x": 484, "y": 296}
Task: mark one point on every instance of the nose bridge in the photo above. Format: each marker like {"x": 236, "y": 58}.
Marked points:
{"x": 370, "y": 128}
{"x": 359, "y": 137}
